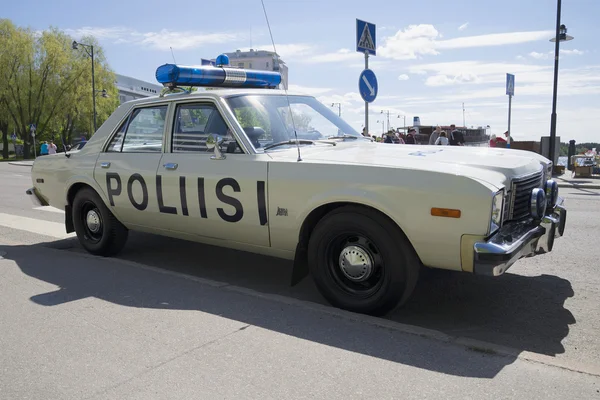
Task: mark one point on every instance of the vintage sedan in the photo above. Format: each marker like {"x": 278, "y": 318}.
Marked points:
{"x": 280, "y": 174}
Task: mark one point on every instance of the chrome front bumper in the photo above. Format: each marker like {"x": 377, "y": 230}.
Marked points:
{"x": 35, "y": 197}
{"x": 517, "y": 240}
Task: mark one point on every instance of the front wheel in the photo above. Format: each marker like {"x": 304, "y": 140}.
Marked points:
{"x": 98, "y": 230}
{"x": 361, "y": 261}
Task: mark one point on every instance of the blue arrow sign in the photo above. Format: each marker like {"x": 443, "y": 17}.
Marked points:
{"x": 365, "y": 37}
{"x": 367, "y": 85}
{"x": 510, "y": 84}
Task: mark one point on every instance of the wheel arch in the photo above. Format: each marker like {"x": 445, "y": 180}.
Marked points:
{"x": 74, "y": 186}
{"x": 300, "y": 265}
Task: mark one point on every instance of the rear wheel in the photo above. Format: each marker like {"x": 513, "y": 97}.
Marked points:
{"x": 361, "y": 261}
{"x": 98, "y": 230}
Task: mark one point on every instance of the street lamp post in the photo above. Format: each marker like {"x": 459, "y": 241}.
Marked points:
{"x": 388, "y": 117}
{"x": 561, "y": 36}
{"x": 382, "y": 126}
{"x": 403, "y": 123}
{"x": 339, "y": 108}
{"x": 75, "y": 46}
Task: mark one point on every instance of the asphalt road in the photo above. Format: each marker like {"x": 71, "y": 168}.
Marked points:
{"x": 123, "y": 325}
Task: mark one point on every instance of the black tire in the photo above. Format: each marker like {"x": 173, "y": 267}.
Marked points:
{"x": 394, "y": 263}
{"x": 111, "y": 237}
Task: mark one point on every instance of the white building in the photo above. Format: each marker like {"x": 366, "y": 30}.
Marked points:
{"x": 132, "y": 88}
{"x": 261, "y": 60}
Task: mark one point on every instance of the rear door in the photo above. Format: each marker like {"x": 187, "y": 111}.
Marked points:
{"x": 126, "y": 169}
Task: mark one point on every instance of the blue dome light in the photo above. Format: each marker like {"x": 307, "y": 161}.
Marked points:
{"x": 222, "y": 60}
{"x": 175, "y": 75}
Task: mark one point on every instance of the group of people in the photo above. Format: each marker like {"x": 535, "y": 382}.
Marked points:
{"x": 47, "y": 148}
{"x": 438, "y": 137}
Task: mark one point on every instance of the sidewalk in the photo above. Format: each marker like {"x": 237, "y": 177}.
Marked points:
{"x": 565, "y": 181}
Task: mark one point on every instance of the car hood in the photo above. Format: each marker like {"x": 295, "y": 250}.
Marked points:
{"x": 493, "y": 165}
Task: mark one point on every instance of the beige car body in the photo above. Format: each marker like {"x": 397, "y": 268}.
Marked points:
{"x": 404, "y": 182}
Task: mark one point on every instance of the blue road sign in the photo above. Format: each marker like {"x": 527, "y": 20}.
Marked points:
{"x": 510, "y": 84}
{"x": 367, "y": 85}
{"x": 365, "y": 37}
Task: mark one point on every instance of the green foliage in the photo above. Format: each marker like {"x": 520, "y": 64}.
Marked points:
{"x": 45, "y": 82}
{"x": 580, "y": 148}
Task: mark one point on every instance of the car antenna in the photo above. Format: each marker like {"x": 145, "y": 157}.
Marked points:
{"x": 286, "y": 94}
{"x": 173, "y": 55}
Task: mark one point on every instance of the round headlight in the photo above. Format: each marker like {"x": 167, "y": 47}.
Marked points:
{"x": 537, "y": 203}
{"x": 551, "y": 188}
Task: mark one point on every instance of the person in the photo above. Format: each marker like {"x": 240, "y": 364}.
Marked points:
{"x": 435, "y": 135}
{"x": 495, "y": 141}
{"x": 410, "y": 137}
{"x": 51, "y": 147}
{"x": 442, "y": 139}
{"x": 365, "y": 133}
{"x": 44, "y": 149}
{"x": 508, "y": 139}
{"x": 388, "y": 137}
{"x": 456, "y": 137}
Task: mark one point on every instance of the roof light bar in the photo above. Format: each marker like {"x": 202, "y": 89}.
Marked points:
{"x": 172, "y": 75}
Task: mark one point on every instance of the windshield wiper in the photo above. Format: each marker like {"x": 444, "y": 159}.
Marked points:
{"x": 344, "y": 136}
{"x": 288, "y": 142}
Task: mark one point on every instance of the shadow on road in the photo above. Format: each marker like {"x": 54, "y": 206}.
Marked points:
{"x": 526, "y": 313}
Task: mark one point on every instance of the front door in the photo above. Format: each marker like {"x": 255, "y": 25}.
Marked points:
{"x": 216, "y": 198}
{"x": 126, "y": 170}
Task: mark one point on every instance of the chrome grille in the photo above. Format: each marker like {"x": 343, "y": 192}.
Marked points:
{"x": 520, "y": 194}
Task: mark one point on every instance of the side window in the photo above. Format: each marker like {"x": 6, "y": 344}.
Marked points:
{"x": 193, "y": 123}
{"x": 142, "y": 132}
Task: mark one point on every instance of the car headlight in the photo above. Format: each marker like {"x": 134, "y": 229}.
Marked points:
{"x": 551, "y": 189}
{"x": 537, "y": 203}
{"x": 497, "y": 207}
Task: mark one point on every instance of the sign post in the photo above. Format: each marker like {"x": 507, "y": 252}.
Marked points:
{"x": 510, "y": 91}
{"x": 367, "y": 82}
{"x": 32, "y": 129}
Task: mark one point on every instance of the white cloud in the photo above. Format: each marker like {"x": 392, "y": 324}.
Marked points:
{"x": 160, "y": 40}
{"x": 463, "y": 26}
{"x": 308, "y": 90}
{"x": 403, "y": 77}
{"x": 425, "y": 39}
{"x": 341, "y": 55}
{"x": 286, "y": 51}
{"x": 443, "y": 80}
{"x": 550, "y": 54}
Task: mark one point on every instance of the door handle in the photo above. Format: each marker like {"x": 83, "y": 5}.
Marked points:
{"x": 105, "y": 165}
{"x": 170, "y": 165}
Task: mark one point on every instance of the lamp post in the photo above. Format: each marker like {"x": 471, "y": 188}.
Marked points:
{"x": 561, "y": 36}
{"x": 339, "y": 108}
{"x": 75, "y": 46}
{"x": 403, "y": 123}
{"x": 382, "y": 126}
{"x": 388, "y": 117}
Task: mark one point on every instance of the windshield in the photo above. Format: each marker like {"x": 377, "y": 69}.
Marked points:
{"x": 266, "y": 119}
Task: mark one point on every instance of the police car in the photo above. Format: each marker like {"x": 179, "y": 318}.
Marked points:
{"x": 247, "y": 166}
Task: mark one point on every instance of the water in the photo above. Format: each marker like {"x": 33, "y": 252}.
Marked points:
{"x": 563, "y": 160}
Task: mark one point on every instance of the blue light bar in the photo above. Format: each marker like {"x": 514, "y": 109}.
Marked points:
{"x": 175, "y": 75}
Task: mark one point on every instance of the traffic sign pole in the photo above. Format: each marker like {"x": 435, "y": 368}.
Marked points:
{"x": 509, "y": 110}
{"x": 366, "y": 102}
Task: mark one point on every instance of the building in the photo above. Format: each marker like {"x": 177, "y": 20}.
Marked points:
{"x": 261, "y": 60}
{"x": 132, "y": 88}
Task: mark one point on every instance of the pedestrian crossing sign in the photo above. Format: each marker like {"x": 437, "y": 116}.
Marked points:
{"x": 510, "y": 84}
{"x": 365, "y": 37}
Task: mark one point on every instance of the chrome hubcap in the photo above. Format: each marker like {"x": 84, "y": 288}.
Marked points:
{"x": 92, "y": 221}
{"x": 356, "y": 263}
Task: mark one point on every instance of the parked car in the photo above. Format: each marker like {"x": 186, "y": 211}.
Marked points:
{"x": 234, "y": 167}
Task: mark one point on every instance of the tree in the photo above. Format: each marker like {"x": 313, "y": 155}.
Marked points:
{"x": 45, "y": 82}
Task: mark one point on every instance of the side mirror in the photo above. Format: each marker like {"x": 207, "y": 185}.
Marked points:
{"x": 214, "y": 142}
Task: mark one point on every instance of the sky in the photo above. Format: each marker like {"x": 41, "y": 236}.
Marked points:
{"x": 432, "y": 55}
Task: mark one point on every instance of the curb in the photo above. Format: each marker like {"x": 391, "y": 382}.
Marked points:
{"x": 21, "y": 163}
{"x": 467, "y": 343}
